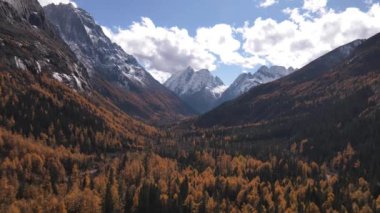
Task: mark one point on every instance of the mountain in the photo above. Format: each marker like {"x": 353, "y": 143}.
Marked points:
{"x": 329, "y": 103}
{"x": 66, "y": 148}
{"x": 29, "y": 42}
{"x": 246, "y": 81}
{"x": 316, "y": 86}
{"x": 199, "y": 89}
{"x": 46, "y": 93}
{"x": 113, "y": 73}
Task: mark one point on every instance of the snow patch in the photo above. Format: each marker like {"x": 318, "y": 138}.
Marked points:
{"x": 38, "y": 67}
{"x": 19, "y": 63}
{"x": 160, "y": 76}
{"x": 135, "y": 74}
{"x": 58, "y": 76}
{"x": 218, "y": 91}
{"x": 77, "y": 81}
{"x": 62, "y": 77}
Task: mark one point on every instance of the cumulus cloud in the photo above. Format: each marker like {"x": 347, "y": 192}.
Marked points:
{"x": 172, "y": 49}
{"x": 162, "y": 49}
{"x": 307, "y": 33}
{"x": 46, "y": 2}
{"x": 314, "y": 5}
{"x": 267, "y": 3}
{"x": 302, "y": 38}
{"x": 220, "y": 40}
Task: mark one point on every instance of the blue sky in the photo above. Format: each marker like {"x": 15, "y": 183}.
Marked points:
{"x": 231, "y": 36}
{"x": 192, "y": 14}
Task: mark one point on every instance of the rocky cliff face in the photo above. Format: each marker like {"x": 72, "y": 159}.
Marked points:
{"x": 114, "y": 73}
{"x": 30, "y": 43}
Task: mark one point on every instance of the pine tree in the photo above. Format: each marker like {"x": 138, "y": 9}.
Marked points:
{"x": 108, "y": 206}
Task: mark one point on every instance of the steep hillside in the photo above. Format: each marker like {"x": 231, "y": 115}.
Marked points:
{"x": 199, "y": 89}
{"x": 114, "y": 73}
{"x": 34, "y": 104}
{"x": 40, "y": 107}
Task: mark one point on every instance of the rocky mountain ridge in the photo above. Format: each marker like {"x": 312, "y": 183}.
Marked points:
{"x": 114, "y": 73}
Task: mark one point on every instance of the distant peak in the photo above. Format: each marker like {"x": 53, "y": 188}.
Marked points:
{"x": 69, "y": 6}
{"x": 65, "y": 5}
{"x": 244, "y": 75}
{"x": 263, "y": 67}
{"x": 206, "y": 71}
{"x": 277, "y": 67}
{"x": 190, "y": 68}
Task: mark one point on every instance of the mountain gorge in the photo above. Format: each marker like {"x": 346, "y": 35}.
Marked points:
{"x": 113, "y": 73}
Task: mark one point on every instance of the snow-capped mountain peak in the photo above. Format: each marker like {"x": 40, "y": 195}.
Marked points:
{"x": 246, "y": 81}
{"x": 190, "y": 81}
{"x": 200, "y": 89}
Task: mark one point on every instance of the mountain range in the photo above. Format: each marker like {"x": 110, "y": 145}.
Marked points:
{"x": 203, "y": 91}
{"x": 119, "y": 77}
{"x": 85, "y": 128}
{"x": 246, "y": 81}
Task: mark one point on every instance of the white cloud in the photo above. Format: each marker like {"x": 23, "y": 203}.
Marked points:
{"x": 302, "y": 38}
{"x": 314, "y": 5}
{"x": 172, "y": 49}
{"x": 46, "y": 2}
{"x": 220, "y": 40}
{"x": 305, "y": 35}
{"x": 162, "y": 49}
{"x": 267, "y": 3}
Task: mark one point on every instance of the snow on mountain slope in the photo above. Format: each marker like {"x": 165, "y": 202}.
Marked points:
{"x": 246, "y": 81}
{"x": 114, "y": 73}
{"x": 219, "y": 90}
{"x": 93, "y": 47}
{"x": 160, "y": 76}
{"x": 200, "y": 89}
{"x": 28, "y": 42}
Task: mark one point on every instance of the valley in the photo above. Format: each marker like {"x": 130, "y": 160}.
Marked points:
{"x": 84, "y": 127}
